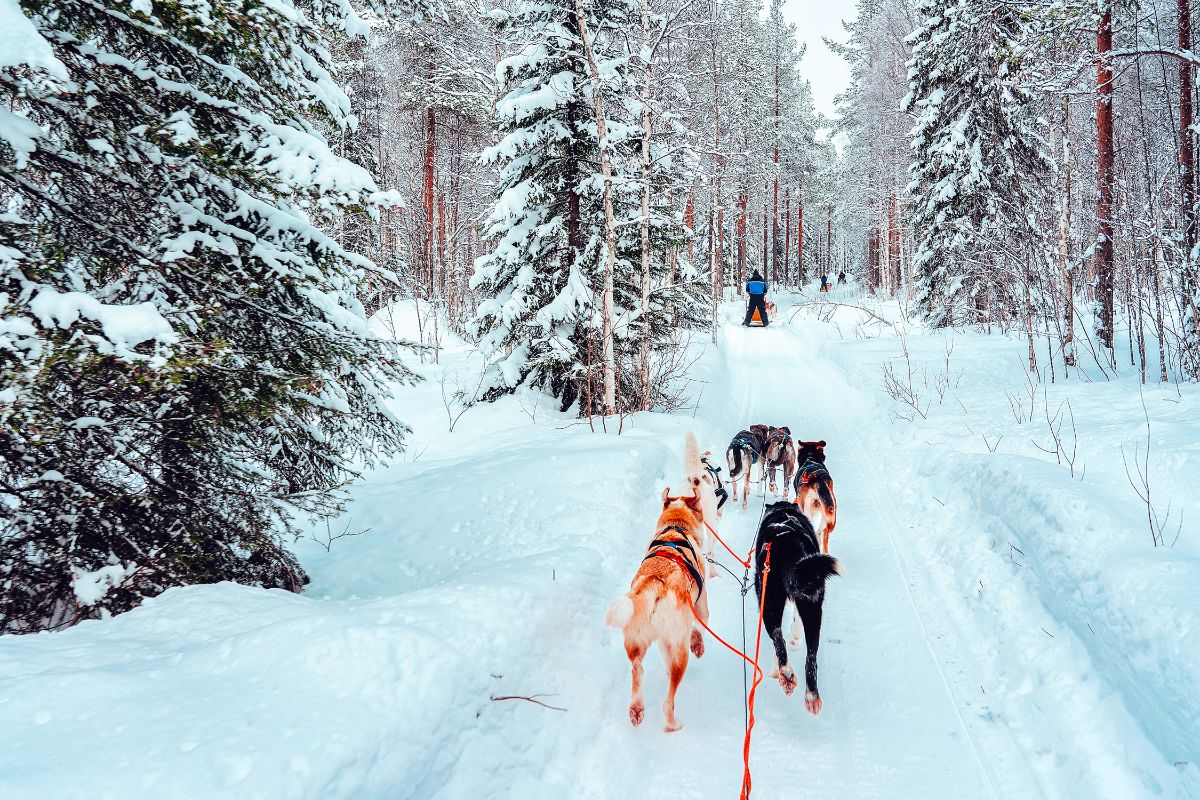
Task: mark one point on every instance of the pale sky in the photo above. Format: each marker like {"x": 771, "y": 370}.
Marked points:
{"x": 827, "y": 72}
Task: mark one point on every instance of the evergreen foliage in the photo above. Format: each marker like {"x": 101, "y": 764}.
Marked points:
{"x": 183, "y": 364}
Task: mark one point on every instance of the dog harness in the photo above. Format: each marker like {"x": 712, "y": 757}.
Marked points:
{"x": 742, "y": 440}
{"x": 673, "y": 554}
{"x": 810, "y": 472}
{"x": 779, "y": 434}
{"x": 721, "y": 492}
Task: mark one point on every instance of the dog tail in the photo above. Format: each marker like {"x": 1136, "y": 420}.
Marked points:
{"x": 733, "y": 456}
{"x": 812, "y": 571}
{"x": 625, "y": 607}
{"x": 691, "y": 455}
{"x": 620, "y": 612}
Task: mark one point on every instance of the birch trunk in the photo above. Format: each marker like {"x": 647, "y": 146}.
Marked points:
{"x": 610, "y": 225}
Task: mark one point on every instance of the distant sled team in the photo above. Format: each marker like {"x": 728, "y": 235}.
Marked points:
{"x": 669, "y": 592}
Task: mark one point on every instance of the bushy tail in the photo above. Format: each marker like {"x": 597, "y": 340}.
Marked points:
{"x": 620, "y": 612}
{"x": 812, "y": 571}
{"x": 825, "y": 494}
{"x": 691, "y": 455}
{"x": 623, "y": 609}
{"x": 733, "y": 456}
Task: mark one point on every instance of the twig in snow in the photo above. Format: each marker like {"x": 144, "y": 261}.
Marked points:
{"x": 531, "y": 699}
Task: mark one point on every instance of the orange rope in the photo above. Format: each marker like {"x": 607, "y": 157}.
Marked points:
{"x": 758, "y": 673}
{"x": 744, "y": 562}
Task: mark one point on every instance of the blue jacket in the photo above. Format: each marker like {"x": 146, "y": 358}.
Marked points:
{"x": 756, "y": 287}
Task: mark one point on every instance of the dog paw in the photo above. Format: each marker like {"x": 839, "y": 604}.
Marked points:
{"x": 812, "y": 701}
{"x": 697, "y": 644}
{"x": 774, "y": 489}
{"x": 787, "y": 679}
{"x": 637, "y": 712}
{"x": 794, "y": 640}
{"x": 773, "y": 673}
{"x": 672, "y": 726}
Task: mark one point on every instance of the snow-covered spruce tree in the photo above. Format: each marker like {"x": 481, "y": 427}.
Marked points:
{"x": 978, "y": 162}
{"x": 183, "y": 364}
{"x": 542, "y": 282}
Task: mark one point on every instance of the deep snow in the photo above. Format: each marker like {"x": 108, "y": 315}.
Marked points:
{"x": 1003, "y": 630}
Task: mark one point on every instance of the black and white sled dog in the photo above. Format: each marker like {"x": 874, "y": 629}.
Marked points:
{"x": 798, "y": 573}
{"x": 745, "y": 450}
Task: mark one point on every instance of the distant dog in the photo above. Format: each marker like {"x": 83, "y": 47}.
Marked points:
{"x": 798, "y": 573}
{"x": 700, "y": 472}
{"x": 744, "y": 451}
{"x": 814, "y": 489}
{"x": 780, "y": 451}
{"x": 657, "y": 607}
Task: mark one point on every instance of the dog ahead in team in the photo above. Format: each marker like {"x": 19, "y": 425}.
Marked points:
{"x": 798, "y": 574}
{"x": 658, "y": 605}
{"x": 699, "y": 471}
{"x": 779, "y": 451}
{"x": 814, "y": 489}
{"x": 744, "y": 451}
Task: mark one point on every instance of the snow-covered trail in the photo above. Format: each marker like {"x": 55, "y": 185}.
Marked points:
{"x": 891, "y": 725}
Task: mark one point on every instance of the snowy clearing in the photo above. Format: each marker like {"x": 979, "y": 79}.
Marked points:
{"x": 1003, "y": 630}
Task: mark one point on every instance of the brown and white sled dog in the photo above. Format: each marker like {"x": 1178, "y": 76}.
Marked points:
{"x": 658, "y": 605}
{"x": 744, "y": 451}
{"x": 699, "y": 471}
{"x": 814, "y": 489}
{"x": 779, "y": 451}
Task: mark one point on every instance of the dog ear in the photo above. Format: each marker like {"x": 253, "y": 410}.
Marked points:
{"x": 821, "y": 445}
{"x": 666, "y": 497}
{"x": 693, "y": 502}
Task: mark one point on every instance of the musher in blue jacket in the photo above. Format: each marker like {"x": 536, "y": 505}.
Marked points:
{"x": 756, "y": 287}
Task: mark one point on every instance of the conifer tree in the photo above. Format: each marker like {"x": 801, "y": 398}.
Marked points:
{"x": 541, "y": 320}
{"x": 978, "y": 159}
{"x": 185, "y": 365}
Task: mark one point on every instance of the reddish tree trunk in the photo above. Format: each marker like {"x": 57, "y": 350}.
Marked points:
{"x": 787, "y": 232}
{"x": 800, "y": 241}
{"x": 689, "y": 217}
{"x": 430, "y": 157}
{"x": 766, "y": 263}
{"x": 1104, "y": 161}
{"x": 1187, "y": 137}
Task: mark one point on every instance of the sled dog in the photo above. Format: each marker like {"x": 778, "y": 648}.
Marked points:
{"x": 814, "y": 489}
{"x": 699, "y": 471}
{"x": 780, "y": 451}
{"x": 657, "y": 607}
{"x": 798, "y": 574}
{"x": 744, "y": 451}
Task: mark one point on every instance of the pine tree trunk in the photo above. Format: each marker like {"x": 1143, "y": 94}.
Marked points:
{"x": 430, "y": 157}
{"x": 741, "y": 242}
{"x": 1064, "y": 246}
{"x": 893, "y": 278}
{"x": 787, "y": 234}
{"x": 800, "y": 239}
{"x": 647, "y": 123}
{"x": 689, "y": 218}
{"x": 610, "y": 226}
{"x": 1187, "y": 136}
{"x": 1104, "y": 266}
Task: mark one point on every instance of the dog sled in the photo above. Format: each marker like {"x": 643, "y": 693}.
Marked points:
{"x": 756, "y": 317}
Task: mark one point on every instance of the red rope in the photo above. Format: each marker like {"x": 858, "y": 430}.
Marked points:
{"x": 758, "y": 673}
{"x": 745, "y": 562}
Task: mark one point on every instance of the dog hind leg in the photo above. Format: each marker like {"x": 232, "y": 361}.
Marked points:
{"x": 797, "y": 632}
{"x": 773, "y": 622}
{"x": 637, "y": 708}
{"x": 810, "y": 613}
{"x": 676, "y": 656}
